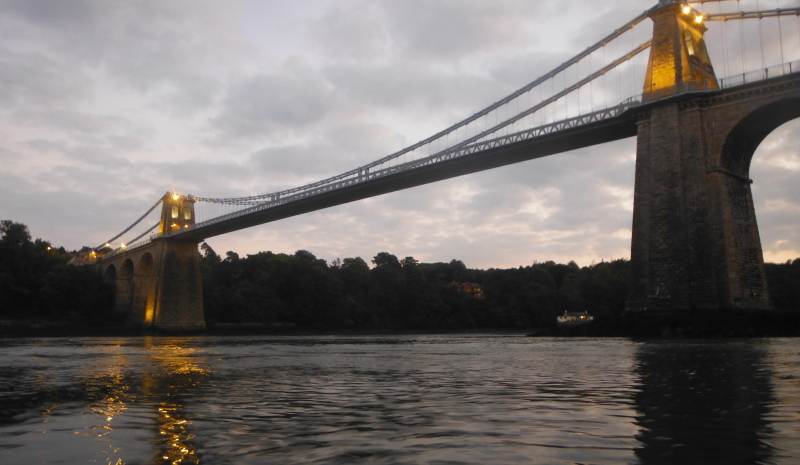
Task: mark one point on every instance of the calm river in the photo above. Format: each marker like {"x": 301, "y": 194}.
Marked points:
{"x": 460, "y": 399}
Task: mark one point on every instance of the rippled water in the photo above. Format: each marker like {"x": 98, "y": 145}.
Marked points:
{"x": 398, "y": 400}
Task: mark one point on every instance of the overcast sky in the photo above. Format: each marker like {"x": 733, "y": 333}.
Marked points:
{"x": 104, "y": 106}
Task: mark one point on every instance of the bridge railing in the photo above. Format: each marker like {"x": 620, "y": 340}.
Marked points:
{"x": 760, "y": 74}
{"x": 442, "y": 156}
{"x": 130, "y": 247}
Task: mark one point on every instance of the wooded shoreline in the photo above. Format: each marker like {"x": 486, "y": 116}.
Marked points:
{"x": 274, "y": 293}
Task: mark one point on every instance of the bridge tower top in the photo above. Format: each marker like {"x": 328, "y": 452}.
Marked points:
{"x": 679, "y": 60}
{"x": 177, "y": 212}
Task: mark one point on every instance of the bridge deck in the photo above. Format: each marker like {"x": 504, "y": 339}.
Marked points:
{"x": 615, "y": 128}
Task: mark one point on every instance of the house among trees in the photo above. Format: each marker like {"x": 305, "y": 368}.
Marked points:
{"x": 473, "y": 289}
{"x": 574, "y": 318}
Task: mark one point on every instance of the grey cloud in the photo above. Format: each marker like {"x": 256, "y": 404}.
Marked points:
{"x": 351, "y": 31}
{"x": 192, "y": 93}
{"x": 8, "y": 155}
{"x": 45, "y": 145}
{"x": 94, "y": 155}
{"x": 126, "y": 143}
{"x": 76, "y": 121}
{"x": 413, "y": 87}
{"x": 140, "y": 44}
{"x": 453, "y": 28}
{"x": 56, "y": 207}
{"x": 601, "y": 20}
{"x": 272, "y": 105}
{"x": 34, "y": 80}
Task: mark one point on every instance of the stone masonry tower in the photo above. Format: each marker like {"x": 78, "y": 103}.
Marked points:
{"x": 177, "y": 212}
{"x": 695, "y": 244}
{"x": 679, "y": 59}
{"x": 178, "y": 285}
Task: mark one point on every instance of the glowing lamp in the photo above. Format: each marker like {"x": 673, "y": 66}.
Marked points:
{"x": 698, "y": 19}
{"x": 687, "y": 9}
{"x": 175, "y": 196}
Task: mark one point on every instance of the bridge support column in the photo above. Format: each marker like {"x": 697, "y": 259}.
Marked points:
{"x": 124, "y": 292}
{"x": 695, "y": 243}
{"x": 144, "y": 289}
{"x": 179, "y": 292}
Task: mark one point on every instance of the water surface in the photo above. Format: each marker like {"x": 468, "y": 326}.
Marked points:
{"x": 460, "y": 399}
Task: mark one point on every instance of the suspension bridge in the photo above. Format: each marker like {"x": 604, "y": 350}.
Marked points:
{"x": 695, "y": 239}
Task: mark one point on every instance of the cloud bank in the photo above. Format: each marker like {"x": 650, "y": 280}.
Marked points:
{"x": 105, "y": 106}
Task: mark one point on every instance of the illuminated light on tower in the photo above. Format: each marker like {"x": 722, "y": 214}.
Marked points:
{"x": 177, "y": 213}
{"x": 122, "y": 245}
{"x": 679, "y": 60}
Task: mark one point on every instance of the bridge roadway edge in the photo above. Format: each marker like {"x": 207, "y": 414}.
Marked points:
{"x": 619, "y": 127}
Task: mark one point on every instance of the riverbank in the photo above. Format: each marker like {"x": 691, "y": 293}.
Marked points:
{"x": 772, "y": 324}
{"x": 29, "y": 328}
{"x": 56, "y": 328}
{"x": 712, "y": 325}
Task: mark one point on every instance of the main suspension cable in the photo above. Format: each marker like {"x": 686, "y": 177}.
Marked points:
{"x": 131, "y": 226}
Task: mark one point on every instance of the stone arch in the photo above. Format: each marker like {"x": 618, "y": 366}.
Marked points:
{"x": 110, "y": 274}
{"x": 737, "y": 242}
{"x": 125, "y": 287}
{"x": 745, "y": 137}
{"x": 143, "y": 292}
{"x": 126, "y": 270}
{"x": 145, "y": 267}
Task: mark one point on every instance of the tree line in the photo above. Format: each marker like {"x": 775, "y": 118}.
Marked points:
{"x": 303, "y": 290}
{"x": 37, "y": 284}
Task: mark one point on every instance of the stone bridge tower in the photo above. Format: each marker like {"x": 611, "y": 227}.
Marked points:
{"x": 695, "y": 244}
{"x": 159, "y": 285}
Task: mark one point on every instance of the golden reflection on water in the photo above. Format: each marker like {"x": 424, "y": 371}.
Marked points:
{"x": 112, "y": 393}
{"x": 175, "y": 443}
{"x": 178, "y": 372}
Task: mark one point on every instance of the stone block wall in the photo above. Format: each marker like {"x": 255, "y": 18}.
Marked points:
{"x": 695, "y": 244}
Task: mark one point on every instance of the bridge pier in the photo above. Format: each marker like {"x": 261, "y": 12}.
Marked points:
{"x": 695, "y": 244}
{"x": 178, "y": 288}
{"x": 144, "y": 289}
{"x": 158, "y": 284}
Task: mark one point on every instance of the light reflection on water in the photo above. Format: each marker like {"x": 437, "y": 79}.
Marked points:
{"x": 398, "y": 399}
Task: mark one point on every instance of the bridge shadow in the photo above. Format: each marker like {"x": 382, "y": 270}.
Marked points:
{"x": 703, "y": 403}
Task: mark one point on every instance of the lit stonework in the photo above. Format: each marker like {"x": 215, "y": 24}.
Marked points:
{"x": 679, "y": 59}
{"x": 177, "y": 212}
